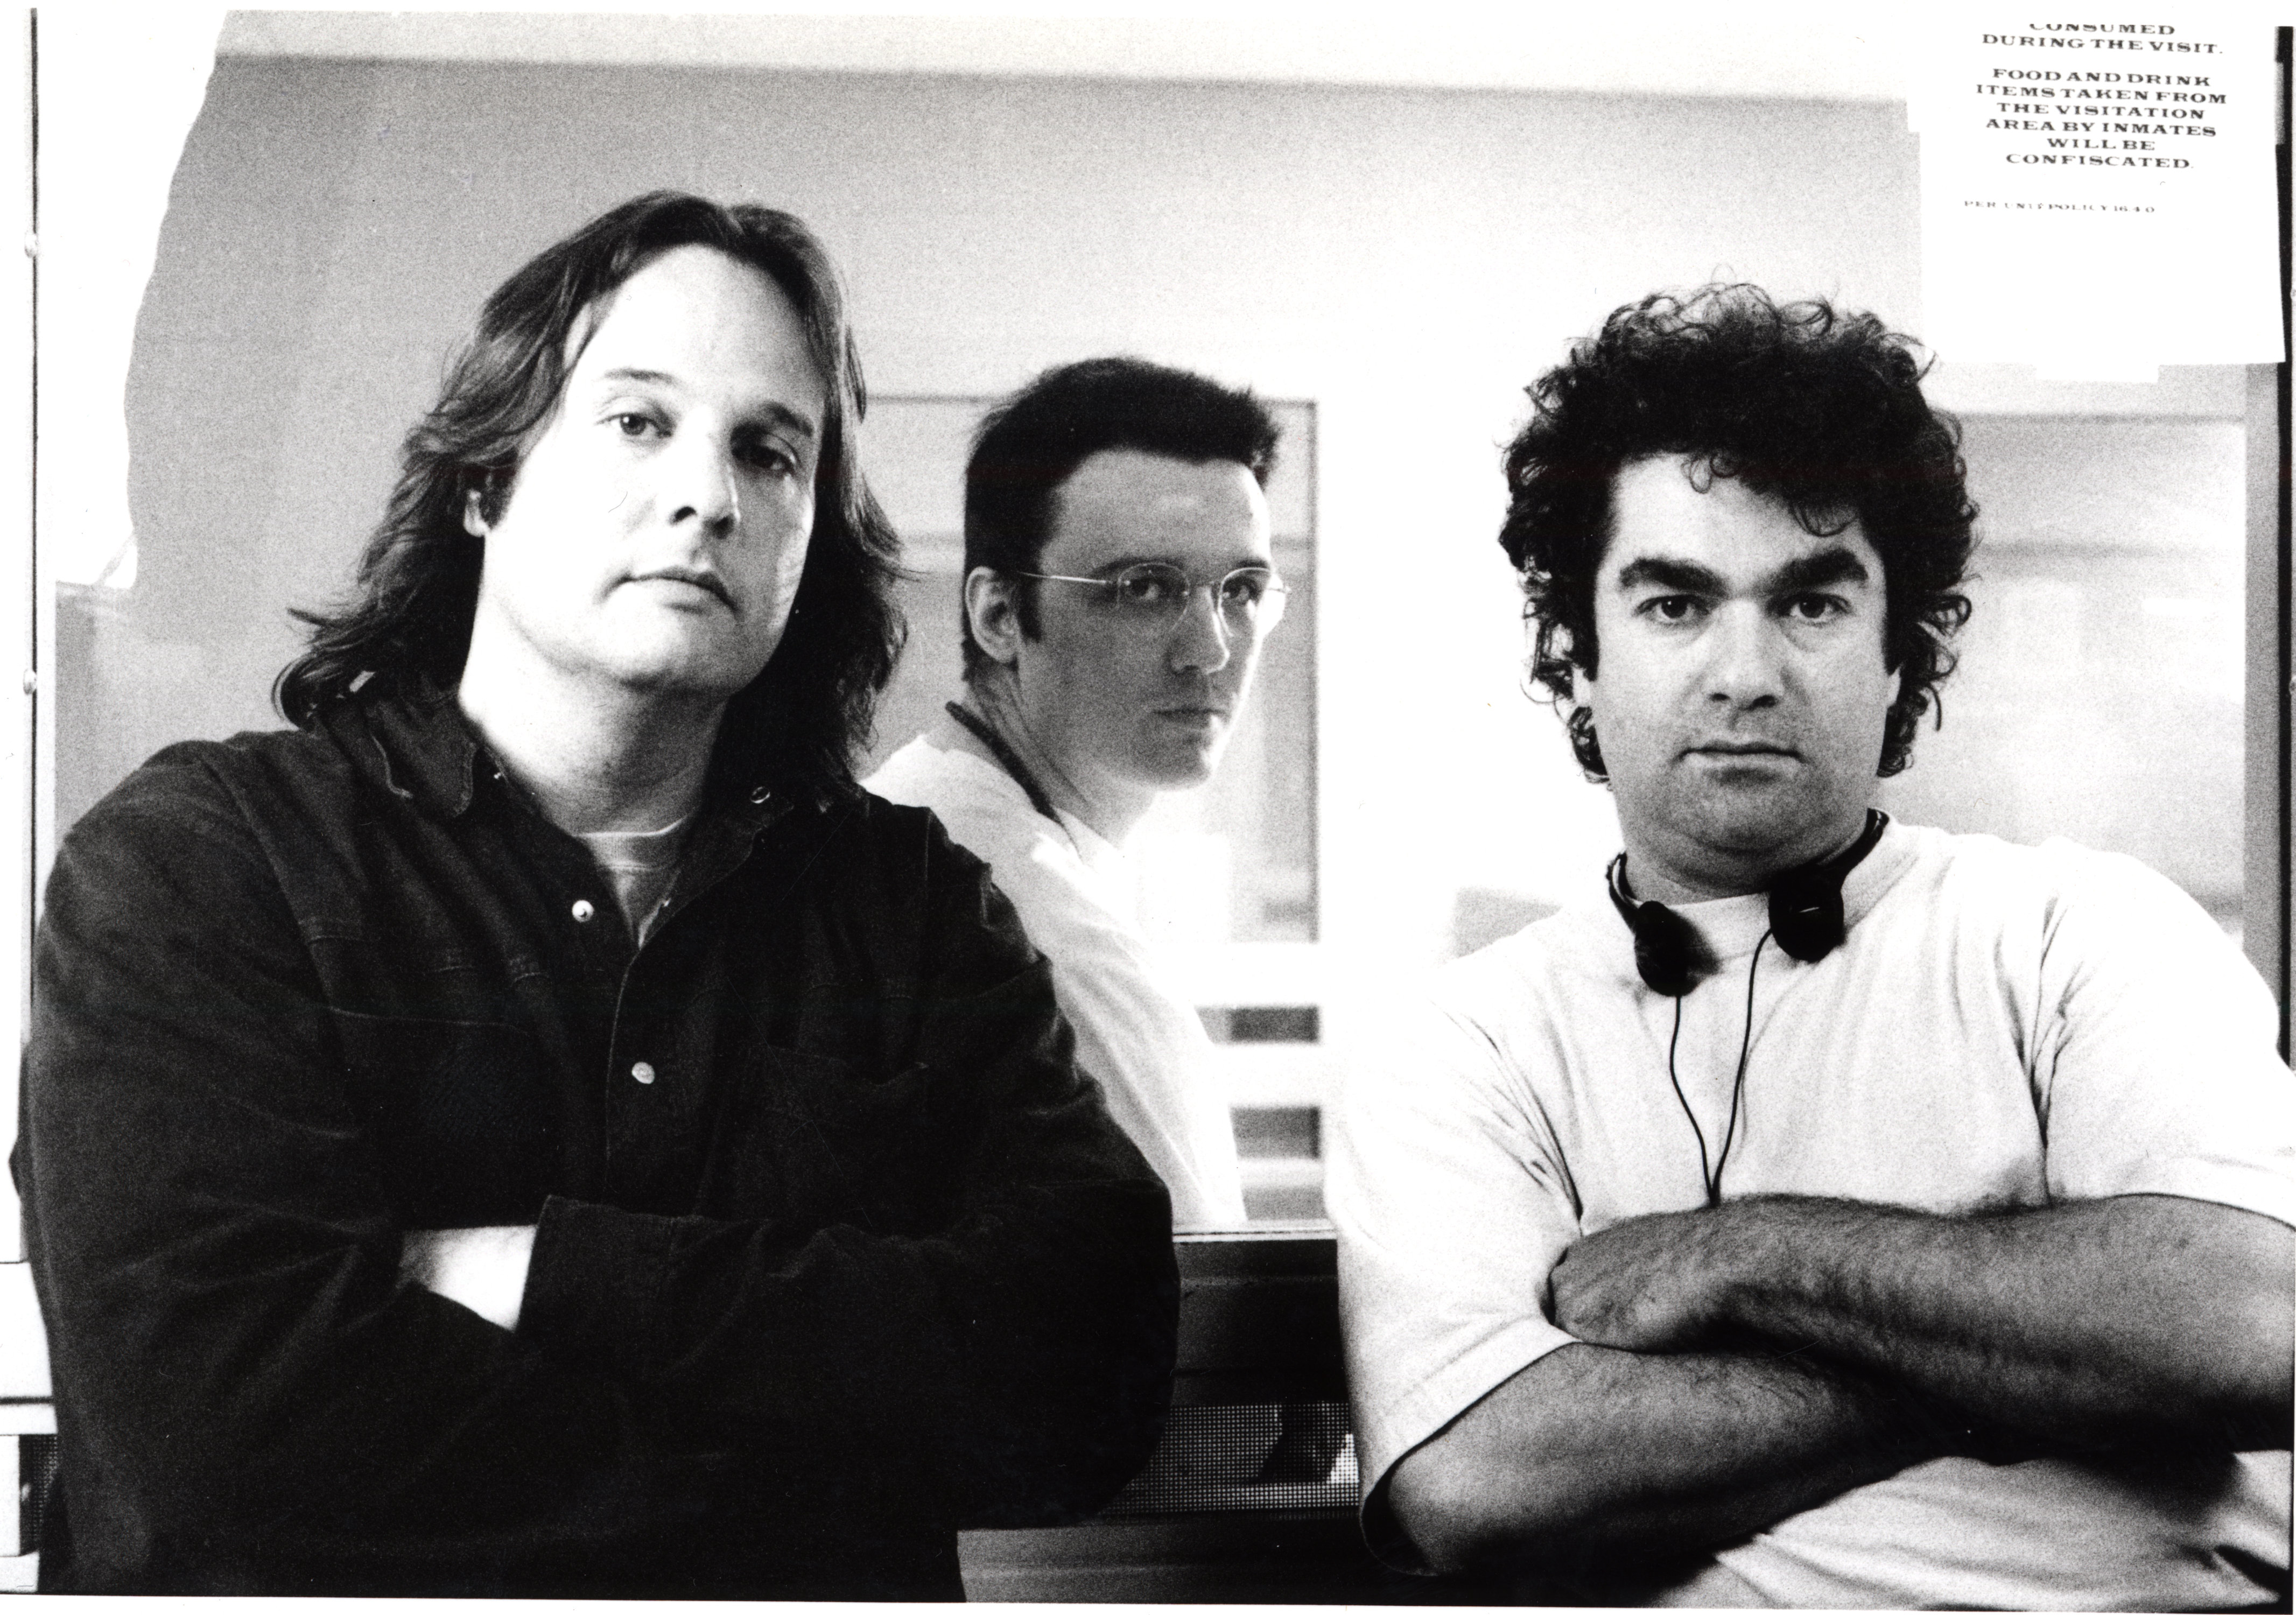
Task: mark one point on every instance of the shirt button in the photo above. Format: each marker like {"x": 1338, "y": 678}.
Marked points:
{"x": 642, "y": 1071}
{"x": 583, "y": 911}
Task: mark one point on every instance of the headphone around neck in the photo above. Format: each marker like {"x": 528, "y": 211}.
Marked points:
{"x": 1806, "y": 917}
{"x": 1807, "y": 920}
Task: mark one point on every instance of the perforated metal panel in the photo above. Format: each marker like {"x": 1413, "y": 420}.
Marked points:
{"x": 1226, "y": 1457}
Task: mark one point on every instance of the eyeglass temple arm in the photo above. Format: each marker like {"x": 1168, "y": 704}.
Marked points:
{"x": 1276, "y": 584}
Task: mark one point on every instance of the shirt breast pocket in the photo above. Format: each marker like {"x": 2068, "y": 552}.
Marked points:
{"x": 461, "y": 1114}
{"x": 813, "y": 1141}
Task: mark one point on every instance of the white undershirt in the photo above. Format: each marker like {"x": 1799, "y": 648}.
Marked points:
{"x": 640, "y": 865}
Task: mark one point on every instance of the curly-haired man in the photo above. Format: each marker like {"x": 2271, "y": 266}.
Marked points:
{"x": 1831, "y": 1211}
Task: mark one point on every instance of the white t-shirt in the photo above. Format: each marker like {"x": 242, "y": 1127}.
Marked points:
{"x": 1135, "y": 1031}
{"x": 2002, "y": 1027}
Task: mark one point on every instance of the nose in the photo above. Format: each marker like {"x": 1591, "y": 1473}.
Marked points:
{"x": 1745, "y": 657}
{"x": 1200, "y": 639}
{"x": 703, "y": 488}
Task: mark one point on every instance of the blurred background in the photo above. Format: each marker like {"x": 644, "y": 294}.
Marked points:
{"x": 1391, "y": 263}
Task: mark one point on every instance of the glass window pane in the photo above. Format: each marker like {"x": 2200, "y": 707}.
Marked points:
{"x": 2100, "y": 692}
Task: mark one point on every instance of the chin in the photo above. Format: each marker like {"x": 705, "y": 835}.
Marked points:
{"x": 1741, "y": 822}
{"x": 1167, "y": 771}
{"x": 1784, "y": 838}
{"x": 672, "y": 678}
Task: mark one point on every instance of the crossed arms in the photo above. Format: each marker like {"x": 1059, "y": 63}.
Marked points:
{"x": 220, "y": 1259}
{"x": 1739, "y": 1364}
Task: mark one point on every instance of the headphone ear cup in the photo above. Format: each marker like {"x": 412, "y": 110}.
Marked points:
{"x": 1806, "y": 912}
{"x": 1806, "y": 925}
{"x": 1670, "y": 954}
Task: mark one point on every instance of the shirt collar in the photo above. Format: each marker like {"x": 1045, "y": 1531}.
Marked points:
{"x": 420, "y": 747}
{"x": 1098, "y": 854}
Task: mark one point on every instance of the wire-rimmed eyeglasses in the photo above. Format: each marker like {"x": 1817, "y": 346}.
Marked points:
{"x": 1155, "y": 594}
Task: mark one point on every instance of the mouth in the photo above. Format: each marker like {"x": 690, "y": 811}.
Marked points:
{"x": 1205, "y": 715}
{"x": 709, "y": 583}
{"x": 1736, "y": 751}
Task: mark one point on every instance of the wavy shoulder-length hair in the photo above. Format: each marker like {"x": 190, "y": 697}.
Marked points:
{"x": 406, "y": 627}
{"x": 1819, "y": 409}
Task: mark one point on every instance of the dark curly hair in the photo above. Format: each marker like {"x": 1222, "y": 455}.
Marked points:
{"x": 1819, "y": 409}
{"x": 1033, "y": 441}
{"x": 407, "y": 625}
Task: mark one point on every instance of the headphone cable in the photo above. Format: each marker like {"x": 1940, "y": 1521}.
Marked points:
{"x": 1712, "y": 1176}
{"x": 1006, "y": 758}
{"x": 1705, "y": 1175}
{"x": 1738, "y": 1084}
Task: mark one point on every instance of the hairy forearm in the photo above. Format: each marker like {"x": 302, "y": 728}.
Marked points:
{"x": 1593, "y": 1460}
{"x": 2145, "y": 1316}
{"x": 2140, "y": 1317}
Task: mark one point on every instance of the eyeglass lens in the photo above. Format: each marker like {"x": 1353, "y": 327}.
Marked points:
{"x": 1248, "y": 597}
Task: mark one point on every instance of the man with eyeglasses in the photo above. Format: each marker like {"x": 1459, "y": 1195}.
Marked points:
{"x": 1118, "y": 584}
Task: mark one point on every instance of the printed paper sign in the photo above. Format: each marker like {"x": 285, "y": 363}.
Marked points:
{"x": 2097, "y": 195}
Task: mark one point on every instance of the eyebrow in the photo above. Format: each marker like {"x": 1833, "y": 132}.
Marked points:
{"x": 1832, "y": 566}
{"x": 1683, "y": 577}
{"x": 779, "y": 415}
{"x": 1119, "y": 562}
{"x": 1827, "y": 568}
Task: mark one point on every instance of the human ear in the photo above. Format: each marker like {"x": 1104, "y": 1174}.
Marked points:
{"x": 992, "y": 614}
{"x": 1582, "y": 683}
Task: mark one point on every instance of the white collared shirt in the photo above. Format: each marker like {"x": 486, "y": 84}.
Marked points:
{"x": 1135, "y": 1030}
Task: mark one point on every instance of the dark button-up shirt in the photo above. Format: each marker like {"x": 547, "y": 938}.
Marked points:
{"x": 836, "y": 1250}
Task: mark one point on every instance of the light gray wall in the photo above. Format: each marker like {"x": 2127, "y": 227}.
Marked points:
{"x": 1406, "y": 260}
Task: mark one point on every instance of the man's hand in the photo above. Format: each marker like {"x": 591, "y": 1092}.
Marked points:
{"x": 1650, "y": 1283}
{"x": 483, "y": 1268}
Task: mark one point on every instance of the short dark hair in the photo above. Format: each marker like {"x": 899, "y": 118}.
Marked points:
{"x": 407, "y": 625}
{"x": 1033, "y": 441}
{"x": 1819, "y": 409}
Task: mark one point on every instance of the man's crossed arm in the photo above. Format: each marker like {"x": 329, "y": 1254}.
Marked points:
{"x": 1741, "y": 1363}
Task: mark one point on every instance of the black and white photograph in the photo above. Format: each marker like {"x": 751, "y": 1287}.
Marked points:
{"x": 1300, "y": 806}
